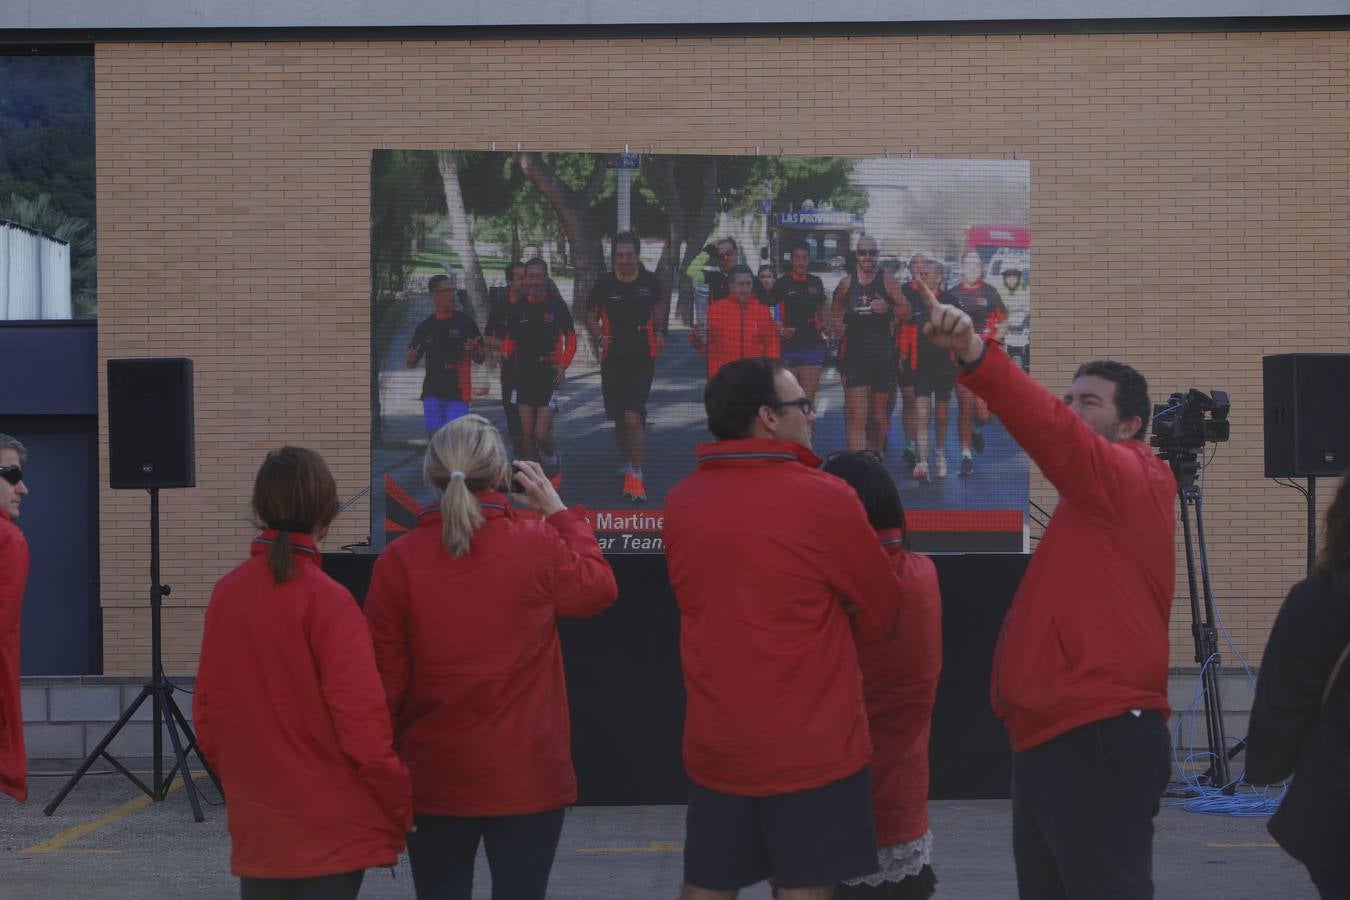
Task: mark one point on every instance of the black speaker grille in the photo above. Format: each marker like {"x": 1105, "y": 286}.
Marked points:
{"x": 150, "y": 423}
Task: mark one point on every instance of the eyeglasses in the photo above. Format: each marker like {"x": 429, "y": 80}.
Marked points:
{"x": 802, "y": 403}
{"x": 12, "y": 474}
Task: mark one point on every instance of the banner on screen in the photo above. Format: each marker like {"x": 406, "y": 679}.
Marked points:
{"x": 580, "y": 301}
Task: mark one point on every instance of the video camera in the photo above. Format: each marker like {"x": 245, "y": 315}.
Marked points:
{"x": 1191, "y": 420}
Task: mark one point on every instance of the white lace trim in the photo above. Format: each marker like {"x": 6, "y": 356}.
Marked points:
{"x": 899, "y": 862}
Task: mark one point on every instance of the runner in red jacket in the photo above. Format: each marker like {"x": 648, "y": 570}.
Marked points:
{"x": 464, "y": 614}
{"x": 774, "y": 568}
{"x": 288, "y": 705}
{"x": 900, "y": 680}
{"x": 1080, "y": 672}
{"x": 738, "y": 326}
{"x": 13, "y": 578}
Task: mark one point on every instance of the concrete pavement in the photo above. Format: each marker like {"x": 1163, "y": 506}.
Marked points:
{"x": 105, "y": 843}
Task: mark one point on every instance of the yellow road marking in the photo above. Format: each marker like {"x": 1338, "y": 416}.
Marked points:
{"x": 1240, "y": 846}
{"x": 117, "y": 812}
{"x": 653, "y": 847}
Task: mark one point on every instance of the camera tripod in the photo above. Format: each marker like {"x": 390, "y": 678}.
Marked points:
{"x": 1185, "y": 466}
{"x": 166, "y": 714}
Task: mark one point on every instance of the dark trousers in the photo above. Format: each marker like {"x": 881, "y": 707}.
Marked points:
{"x": 325, "y": 887}
{"x": 1332, "y": 885}
{"x": 519, "y": 851}
{"x": 1083, "y": 808}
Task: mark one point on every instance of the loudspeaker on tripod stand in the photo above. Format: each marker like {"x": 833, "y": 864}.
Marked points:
{"x": 150, "y": 446}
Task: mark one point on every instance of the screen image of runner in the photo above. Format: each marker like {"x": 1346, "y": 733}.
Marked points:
{"x": 580, "y": 302}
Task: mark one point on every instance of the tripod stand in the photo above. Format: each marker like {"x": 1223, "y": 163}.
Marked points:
{"x": 166, "y": 713}
{"x": 1184, "y": 463}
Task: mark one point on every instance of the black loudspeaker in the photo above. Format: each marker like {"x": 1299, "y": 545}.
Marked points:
{"x": 1307, "y": 414}
{"x": 150, "y": 435}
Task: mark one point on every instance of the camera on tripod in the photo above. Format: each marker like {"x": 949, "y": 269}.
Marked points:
{"x": 1191, "y": 420}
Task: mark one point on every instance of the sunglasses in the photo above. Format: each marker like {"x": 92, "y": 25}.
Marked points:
{"x": 12, "y": 474}
{"x": 802, "y": 403}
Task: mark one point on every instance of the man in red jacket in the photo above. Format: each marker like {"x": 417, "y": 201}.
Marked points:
{"x": 13, "y": 577}
{"x": 774, "y": 567}
{"x": 1080, "y": 672}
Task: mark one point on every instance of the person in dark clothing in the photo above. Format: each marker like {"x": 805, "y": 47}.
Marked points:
{"x": 1300, "y": 724}
{"x": 626, "y": 318}
{"x": 801, "y": 298}
{"x": 495, "y": 335}
{"x": 451, "y": 343}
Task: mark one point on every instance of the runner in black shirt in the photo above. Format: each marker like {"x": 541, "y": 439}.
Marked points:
{"x": 932, "y": 371}
{"x": 451, "y": 343}
{"x": 800, "y": 298}
{"x": 541, "y": 341}
{"x": 865, "y": 309}
{"x": 626, "y": 317}
{"x": 496, "y": 334}
{"x": 987, "y": 314}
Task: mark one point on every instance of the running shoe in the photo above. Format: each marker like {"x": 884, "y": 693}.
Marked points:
{"x": 911, "y": 454}
{"x": 940, "y": 467}
{"x": 921, "y": 472}
{"x": 634, "y": 489}
{"x": 967, "y": 465}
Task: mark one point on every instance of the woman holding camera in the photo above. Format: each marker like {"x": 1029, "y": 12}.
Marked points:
{"x": 464, "y": 613}
{"x": 289, "y": 708}
{"x": 900, "y": 678}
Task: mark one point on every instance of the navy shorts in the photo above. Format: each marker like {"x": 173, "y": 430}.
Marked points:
{"x": 534, "y": 385}
{"x": 808, "y": 838}
{"x": 804, "y": 356}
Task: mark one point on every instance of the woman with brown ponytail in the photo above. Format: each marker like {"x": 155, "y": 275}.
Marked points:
{"x": 289, "y": 709}
{"x": 464, "y": 614}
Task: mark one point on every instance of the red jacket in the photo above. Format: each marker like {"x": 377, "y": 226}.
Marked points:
{"x": 468, "y": 650}
{"x": 13, "y": 577}
{"x": 1086, "y": 637}
{"x": 900, "y": 679}
{"x": 764, "y": 550}
{"x": 290, "y": 714}
{"x": 736, "y": 332}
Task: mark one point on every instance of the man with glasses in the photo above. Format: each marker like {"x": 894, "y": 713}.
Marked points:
{"x": 864, "y": 313}
{"x": 719, "y": 279}
{"x": 451, "y": 343}
{"x": 774, "y": 567}
{"x": 13, "y": 578}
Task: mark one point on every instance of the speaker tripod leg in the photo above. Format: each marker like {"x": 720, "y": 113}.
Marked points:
{"x": 166, "y": 699}
{"x": 101, "y": 750}
{"x": 192, "y": 746}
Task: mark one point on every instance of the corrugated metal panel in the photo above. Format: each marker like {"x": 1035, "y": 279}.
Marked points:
{"x": 55, "y": 279}
{"x": 34, "y": 275}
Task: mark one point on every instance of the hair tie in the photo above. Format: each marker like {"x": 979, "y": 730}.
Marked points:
{"x": 457, "y": 474}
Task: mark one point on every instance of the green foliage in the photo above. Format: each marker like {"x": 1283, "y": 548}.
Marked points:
{"x": 47, "y": 157}
{"x": 405, "y": 187}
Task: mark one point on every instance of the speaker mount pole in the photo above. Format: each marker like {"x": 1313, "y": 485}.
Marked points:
{"x": 1312, "y": 522}
{"x": 165, "y": 713}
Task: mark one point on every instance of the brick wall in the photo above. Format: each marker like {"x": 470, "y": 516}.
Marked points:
{"x": 1190, "y": 210}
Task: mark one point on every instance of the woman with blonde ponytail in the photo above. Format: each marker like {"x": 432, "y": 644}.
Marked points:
{"x": 289, "y": 708}
{"x": 463, "y": 611}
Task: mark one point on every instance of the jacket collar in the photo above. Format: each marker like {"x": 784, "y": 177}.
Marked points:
{"x": 302, "y": 545}
{"x": 891, "y": 539}
{"x": 493, "y": 504}
{"x": 754, "y": 452}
